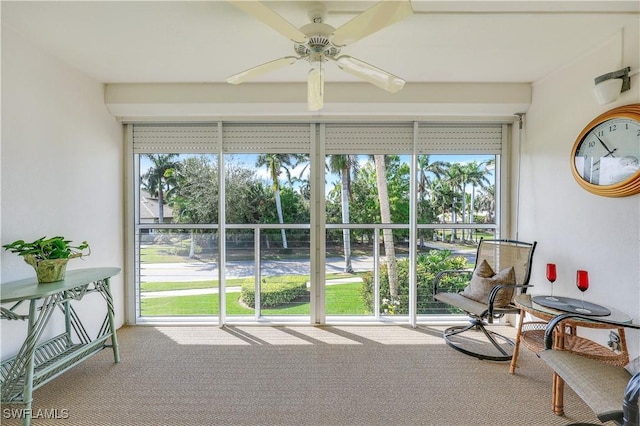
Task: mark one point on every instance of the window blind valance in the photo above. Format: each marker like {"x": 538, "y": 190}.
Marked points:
{"x": 459, "y": 138}
{"x": 369, "y": 138}
{"x": 266, "y": 137}
{"x": 149, "y": 138}
{"x": 339, "y": 138}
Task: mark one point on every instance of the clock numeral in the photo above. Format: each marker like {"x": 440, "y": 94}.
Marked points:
{"x": 612, "y": 128}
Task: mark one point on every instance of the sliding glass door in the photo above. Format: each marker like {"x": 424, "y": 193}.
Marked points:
{"x": 313, "y": 223}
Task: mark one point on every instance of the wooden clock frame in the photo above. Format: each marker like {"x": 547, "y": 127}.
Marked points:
{"x": 630, "y": 185}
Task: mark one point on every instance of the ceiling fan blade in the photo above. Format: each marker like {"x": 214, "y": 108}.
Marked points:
{"x": 373, "y": 75}
{"x": 371, "y": 20}
{"x": 272, "y": 19}
{"x": 251, "y": 73}
{"x": 315, "y": 89}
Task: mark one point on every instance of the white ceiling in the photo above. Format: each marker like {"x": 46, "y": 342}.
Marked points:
{"x": 206, "y": 41}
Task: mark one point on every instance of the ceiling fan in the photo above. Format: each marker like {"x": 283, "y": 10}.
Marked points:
{"x": 318, "y": 43}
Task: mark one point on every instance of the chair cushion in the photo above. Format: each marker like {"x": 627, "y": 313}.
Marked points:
{"x": 484, "y": 279}
{"x": 601, "y": 386}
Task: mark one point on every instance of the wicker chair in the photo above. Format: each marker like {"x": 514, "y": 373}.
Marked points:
{"x": 609, "y": 390}
{"x": 500, "y": 255}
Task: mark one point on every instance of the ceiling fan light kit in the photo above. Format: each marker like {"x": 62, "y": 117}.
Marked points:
{"x": 319, "y": 43}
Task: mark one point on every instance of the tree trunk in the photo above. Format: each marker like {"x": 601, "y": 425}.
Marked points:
{"x": 281, "y": 218}
{"x": 192, "y": 249}
{"x": 160, "y": 204}
{"x": 454, "y": 219}
{"x": 346, "y": 233}
{"x": 464, "y": 208}
{"x": 472, "y": 211}
{"x": 387, "y": 234}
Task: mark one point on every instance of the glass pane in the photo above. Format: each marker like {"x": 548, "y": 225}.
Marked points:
{"x": 393, "y": 296}
{"x": 267, "y": 188}
{"x": 456, "y": 189}
{"x": 178, "y": 188}
{"x": 178, "y": 273}
{"x": 285, "y": 272}
{"x": 239, "y": 272}
{"x": 360, "y": 202}
{"x": 349, "y": 259}
{"x": 443, "y": 255}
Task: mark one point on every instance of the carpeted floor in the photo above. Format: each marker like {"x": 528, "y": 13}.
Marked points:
{"x": 299, "y": 375}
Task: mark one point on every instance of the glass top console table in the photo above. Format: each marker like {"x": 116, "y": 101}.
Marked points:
{"x": 531, "y": 334}
{"x": 38, "y": 362}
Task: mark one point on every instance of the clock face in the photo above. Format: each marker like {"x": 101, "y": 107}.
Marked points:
{"x": 609, "y": 152}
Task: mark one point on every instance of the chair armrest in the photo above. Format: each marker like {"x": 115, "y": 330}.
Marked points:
{"x": 548, "y": 334}
{"x": 630, "y": 403}
{"x": 448, "y": 272}
{"x": 494, "y": 293}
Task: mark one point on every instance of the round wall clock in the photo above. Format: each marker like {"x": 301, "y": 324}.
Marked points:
{"x": 605, "y": 159}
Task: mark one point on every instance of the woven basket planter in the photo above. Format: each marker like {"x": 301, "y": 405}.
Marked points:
{"x": 48, "y": 270}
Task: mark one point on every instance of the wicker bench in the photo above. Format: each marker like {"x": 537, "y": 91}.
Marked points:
{"x": 609, "y": 390}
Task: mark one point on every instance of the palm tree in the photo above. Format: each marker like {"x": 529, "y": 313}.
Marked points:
{"x": 425, "y": 183}
{"x": 477, "y": 177}
{"x": 457, "y": 175}
{"x": 344, "y": 165}
{"x": 444, "y": 197}
{"x": 425, "y": 169}
{"x": 487, "y": 201}
{"x": 159, "y": 179}
{"x": 275, "y": 163}
{"x": 385, "y": 216}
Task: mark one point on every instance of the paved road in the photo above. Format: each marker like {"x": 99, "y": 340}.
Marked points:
{"x": 194, "y": 271}
{"x": 198, "y": 271}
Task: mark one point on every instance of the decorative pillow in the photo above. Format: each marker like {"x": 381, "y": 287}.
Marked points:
{"x": 476, "y": 290}
{"x": 633, "y": 367}
{"x": 481, "y": 286}
{"x": 484, "y": 270}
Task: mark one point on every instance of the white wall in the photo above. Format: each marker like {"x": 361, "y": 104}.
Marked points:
{"x": 574, "y": 228}
{"x": 62, "y": 168}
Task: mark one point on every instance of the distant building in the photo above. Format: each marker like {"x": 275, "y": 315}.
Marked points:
{"x": 149, "y": 212}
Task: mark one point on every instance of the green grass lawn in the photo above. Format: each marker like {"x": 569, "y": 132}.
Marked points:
{"x": 230, "y": 282}
{"x": 345, "y": 299}
{"x": 341, "y": 299}
{"x": 203, "y": 304}
{"x": 160, "y": 253}
{"x": 188, "y": 285}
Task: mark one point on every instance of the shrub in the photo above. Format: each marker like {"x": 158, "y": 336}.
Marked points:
{"x": 280, "y": 291}
{"x": 428, "y": 265}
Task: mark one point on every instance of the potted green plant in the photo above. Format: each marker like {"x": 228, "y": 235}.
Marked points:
{"x": 49, "y": 256}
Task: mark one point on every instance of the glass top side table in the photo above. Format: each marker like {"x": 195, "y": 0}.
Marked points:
{"x": 531, "y": 334}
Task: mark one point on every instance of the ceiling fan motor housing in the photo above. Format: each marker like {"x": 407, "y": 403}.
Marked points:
{"x": 318, "y": 46}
